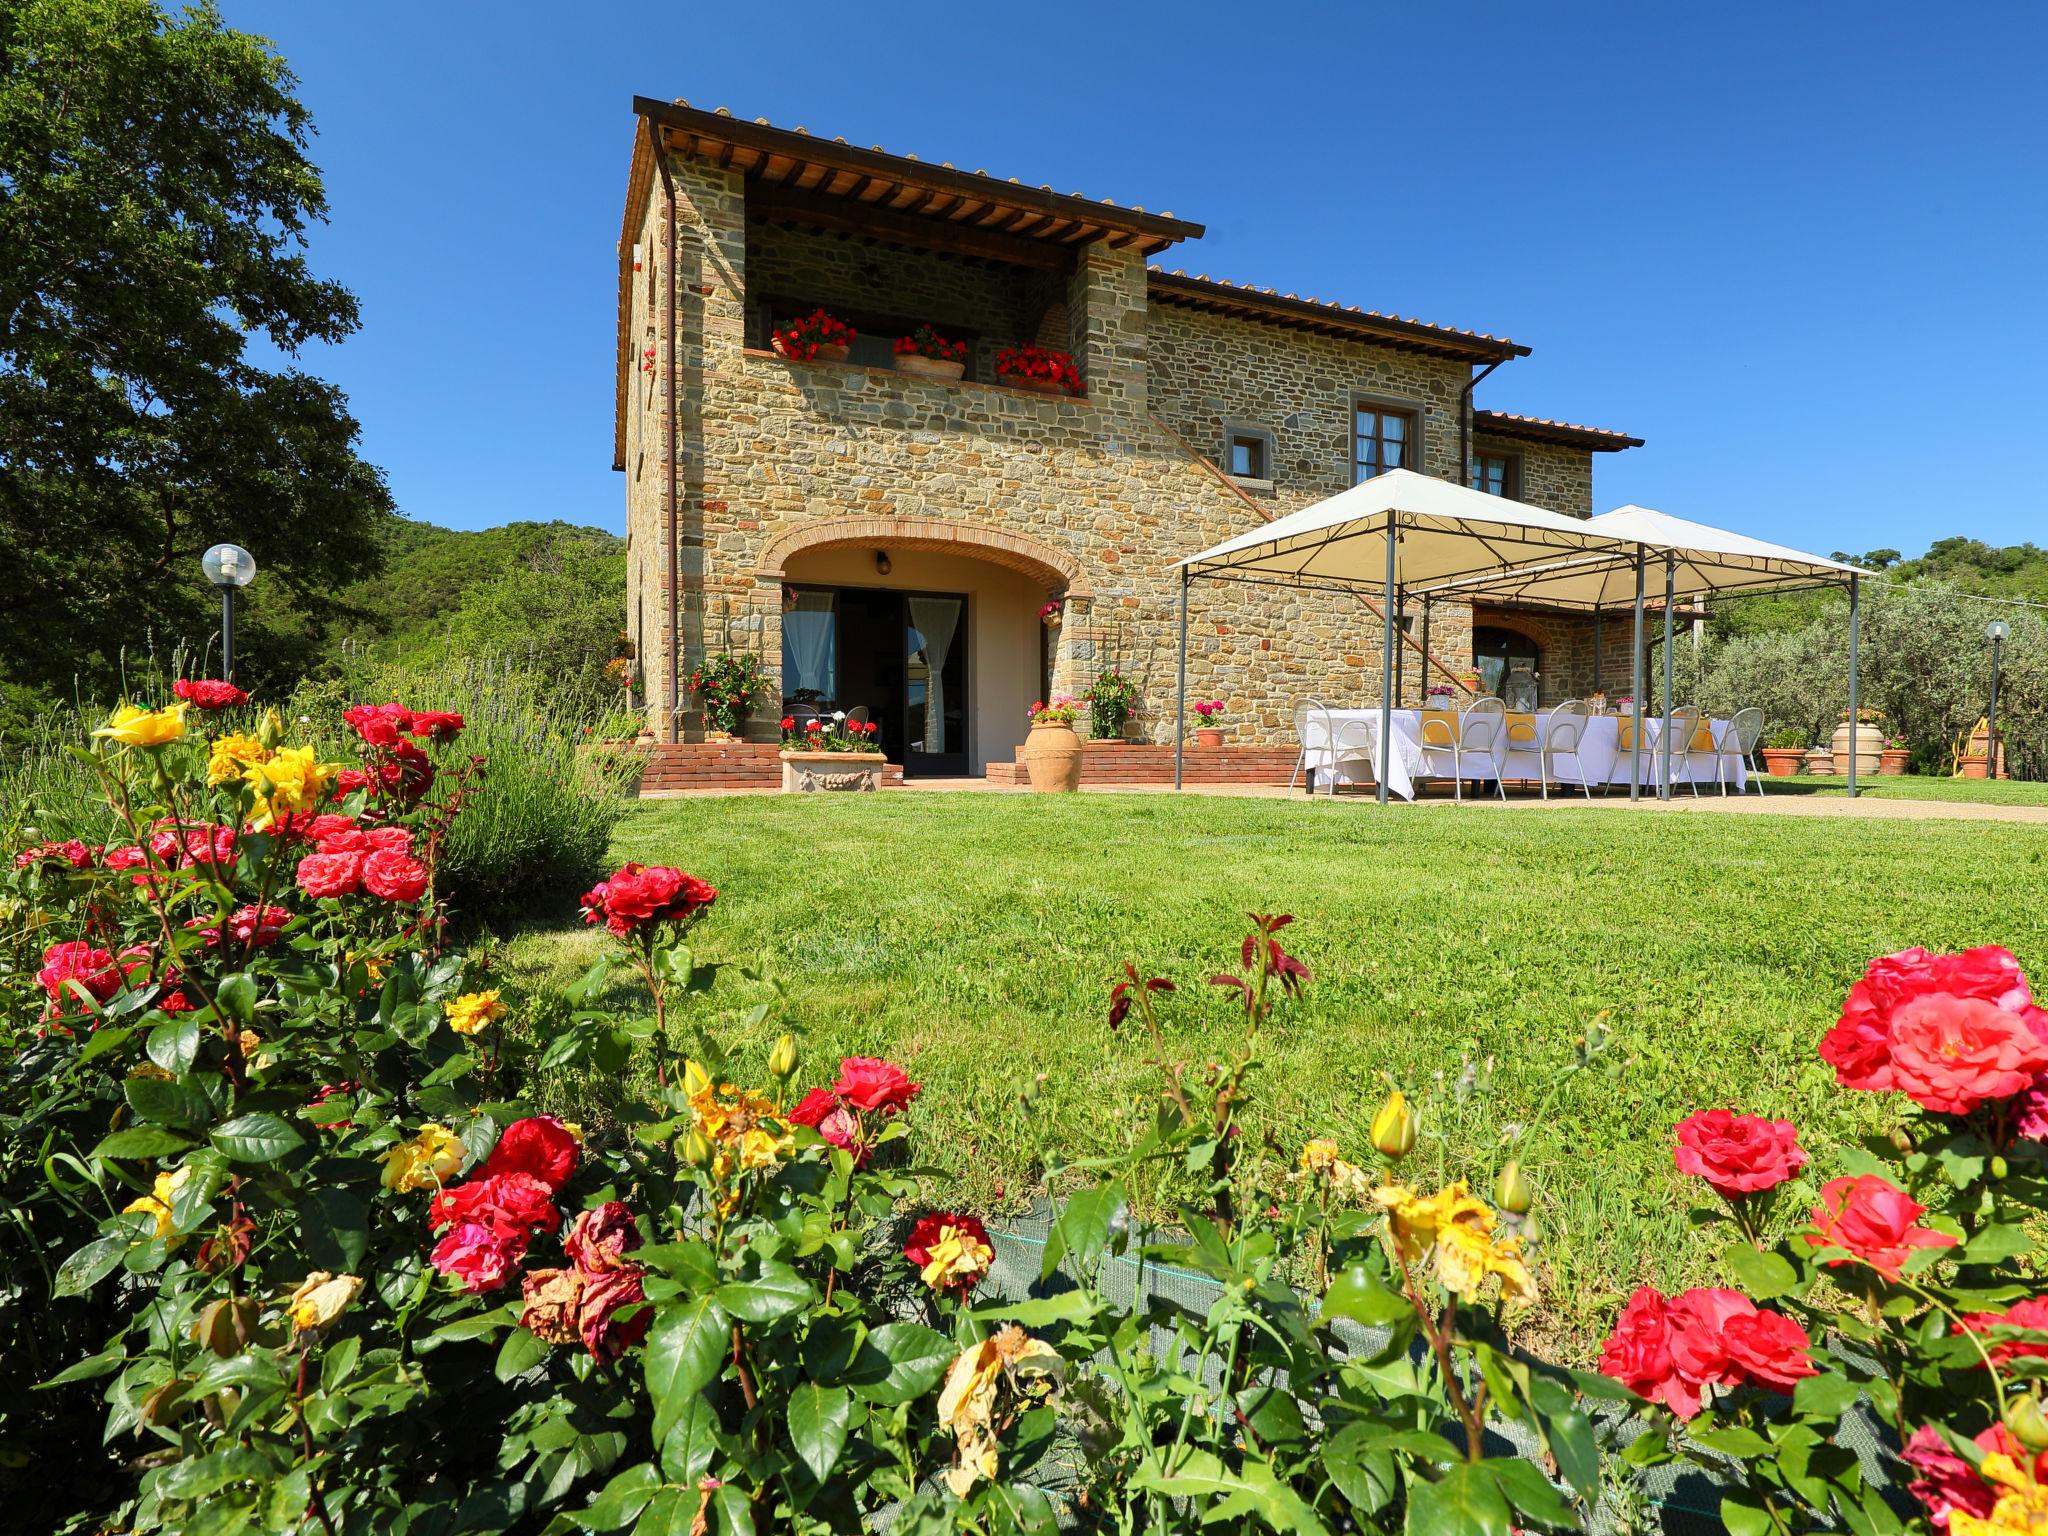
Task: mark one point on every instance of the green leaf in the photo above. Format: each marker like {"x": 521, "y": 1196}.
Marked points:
{"x": 142, "y": 1141}
{"x": 1222, "y": 1493}
{"x": 776, "y": 1292}
{"x": 1577, "y": 1451}
{"x": 168, "y": 1101}
{"x": 174, "y": 1043}
{"x": 818, "y": 1421}
{"x": 1760, "y": 1275}
{"x": 1465, "y": 1501}
{"x": 520, "y": 1353}
{"x": 1081, "y": 1230}
{"x": 482, "y": 1325}
{"x": 335, "y": 1227}
{"x": 1737, "y": 1440}
{"x": 90, "y": 1265}
{"x": 692, "y": 1441}
{"x": 1524, "y": 1486}
{"x": 260, "y": 1137}
{"x": 106, "y": 1039}
{"x": 735, "y": 1510}
{"x": 623, "y": 1498}
{"x": 236, "y": 997}
{"x": 1358, "y": 1294}
{"x": 685, "y": 1352}
{"x": 1364, "y": 1473}
{"x": 1996, "y": 1242}
{"x": 917, "y": 1356}
{"x": 91, "y": 1368}
{"x": 1824, "y": 1397}
{"x": 1740, "y": 1517}
{"x": 1037, "y": 1311}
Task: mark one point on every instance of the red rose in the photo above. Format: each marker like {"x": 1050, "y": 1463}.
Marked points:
{"x": 442, "y": 725}
{"x": 322, "y": 875}
{"x": 1698, "y": 1319}
{"x": 347, "y": 840}
{"x": 478, "y": 1255}
{"x": 789, "y": 722}
{"x": 512, "y": 1201}
{"x": 73, "y": 853}
{"x": 2031, "y": 1314}
{"x": 257, "y": 926}
{"x": 605, "y": 1295}
{"x": 600, "y": 1240}
{"x": 93, "y": 969}
{"x": 378, "y": 724}
{"x": 540, "y": 1146}
{"x": 823, "y": 1113}
{"x": 327, "y": 824}
{"x": 1948, "y": 1482}
{"x": 1738, "y": 1154}
{"x": 813, "y": 1108}
{"x": 349, "y": 780}
{"x": 1767, "y": 1348}
{"x": 402, "y": 772}
{"x": 387, "y": 840}
{"x": 1863, "y": 1045}
{"x": 1638, "y": 1354}
{"x": 1950, "y": 1054}
{"x": 814, "y": 725}
{"x": 1873, "y": 1219}
{"x": 638, "y": 895}
{"x": 208, "y": 693}
{"x": 394, "y": 876}
{"x": 868, "y": 1083}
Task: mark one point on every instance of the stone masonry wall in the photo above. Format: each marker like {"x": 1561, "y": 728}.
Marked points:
{"x": 1565, "y": 643}
{"x": 1553, "y": 476}
{"x": 1095, "y": 492}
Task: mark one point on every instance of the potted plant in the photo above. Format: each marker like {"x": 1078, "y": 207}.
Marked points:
{"x": 1865, "y": 738}
{"x": 1109, "y": 705}
{"x": 1821, "y": 760}
{"x": 1052, "y": 614}
{"x": 726, "y": 685}
{"x": 1437, "y": 696}
{"x": 1052, "y": 753}
{"x": 1470, "y": 678}
{"x": 928, "y": 355}
{"x": 1784, "y": 752}
{"x": 1034, "y": 367}
{"x": 1597, "y": 702}
{"x": 840, "y": 755}
{"x": 1892, "y": 760}
{"x": 1208, "y": 734}
{"x": 818, "y": 337}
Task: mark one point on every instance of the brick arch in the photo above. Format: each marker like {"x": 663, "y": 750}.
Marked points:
{"x": 1040, "y": 561}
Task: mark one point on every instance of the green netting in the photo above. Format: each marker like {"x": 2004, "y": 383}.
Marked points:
{"x": 1678, "y": 1500}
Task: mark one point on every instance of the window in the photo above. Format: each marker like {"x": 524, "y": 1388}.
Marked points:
{"x": 1247, "y": 452}
{"x": 1497, "y": 474}
{"x": 1382, "y": 438}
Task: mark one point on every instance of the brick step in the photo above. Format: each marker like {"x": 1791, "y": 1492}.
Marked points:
{"x": 702, "y": 765}
{"x": 1108, "y": 764}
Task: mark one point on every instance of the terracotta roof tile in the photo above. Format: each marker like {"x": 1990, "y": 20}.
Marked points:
{"x": 1542, "y": 427}
{"x": 1340, "y": 312}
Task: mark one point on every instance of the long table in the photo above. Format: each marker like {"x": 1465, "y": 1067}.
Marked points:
{"x": 1601, "y": 754}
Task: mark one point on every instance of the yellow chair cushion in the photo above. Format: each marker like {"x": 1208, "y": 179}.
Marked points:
{"x": 1439, "y": 727}
{"x": 1703, "y": 738}
{"x": 1521, "y": 730}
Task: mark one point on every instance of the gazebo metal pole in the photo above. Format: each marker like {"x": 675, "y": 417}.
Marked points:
{"x": 1180, "y": 686}
{"x": 1855, "y": 732}
{"x": 1423, "y": 664}
{"x": 1400, "y": 657}
{"x": 1387, "y": 666}
{"x": 1635, "y": 702}
{"x": 1664, "y": 735}
{"x": 1596, "y": 650}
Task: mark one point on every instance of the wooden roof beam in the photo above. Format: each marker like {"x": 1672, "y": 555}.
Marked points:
{"x": 841, "y": 216}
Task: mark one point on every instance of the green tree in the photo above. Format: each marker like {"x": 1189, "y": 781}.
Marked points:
{"x": 155, "y": 191}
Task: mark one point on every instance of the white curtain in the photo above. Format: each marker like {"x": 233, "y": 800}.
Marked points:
{"x": 935, "y": 619}
{"x": 810, "y": 645}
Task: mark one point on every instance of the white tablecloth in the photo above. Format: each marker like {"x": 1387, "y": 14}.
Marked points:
{"x": 1600, "y": 753}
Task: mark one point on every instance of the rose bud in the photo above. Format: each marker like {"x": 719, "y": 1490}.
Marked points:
{"x": 226, "y": 1326}
{"x": 782, "y": 1060}
{"x": 1393, "y": 1128}
{"x": 696, "y": 1150}
{"x": 2029, "y": 1425}
{"x": 1511, "y": 1190}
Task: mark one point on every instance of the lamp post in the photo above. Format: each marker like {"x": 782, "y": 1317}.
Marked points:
{"x": 1996, "y": 632}
{"x": 228, "y": 566}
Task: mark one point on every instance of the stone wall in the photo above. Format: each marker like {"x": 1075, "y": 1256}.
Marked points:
{"x": 1565, "y": 645}
{"x": 1552, "y": 476}
{"x": 1092, "y": 498}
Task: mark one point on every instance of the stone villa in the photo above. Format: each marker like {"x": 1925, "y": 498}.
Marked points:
{"x": 881, "y": 539}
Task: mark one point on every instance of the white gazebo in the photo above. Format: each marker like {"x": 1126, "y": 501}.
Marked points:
{"x": 1405, "y": 535}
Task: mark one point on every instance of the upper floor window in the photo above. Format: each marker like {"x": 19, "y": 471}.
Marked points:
{"x": 1248, "y": 452}
{"x": 1497, "y": 474}
{"x": 1382, "y": 438}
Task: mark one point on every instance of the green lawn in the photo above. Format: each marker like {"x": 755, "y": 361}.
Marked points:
{"x": 974, "y": 937}
{"x": 1916, "y": 786}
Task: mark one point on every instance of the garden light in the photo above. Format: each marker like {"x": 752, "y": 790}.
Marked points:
{"x": 228, "y": 567}
{"x": 1996, "y": 632}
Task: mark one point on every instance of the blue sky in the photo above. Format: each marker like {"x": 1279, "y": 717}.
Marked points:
{"x": 1800, "y": 249}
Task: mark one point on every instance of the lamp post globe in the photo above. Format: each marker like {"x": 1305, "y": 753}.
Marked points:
{"x": 1996, "y": 632}
{"x": 230, "y": 568}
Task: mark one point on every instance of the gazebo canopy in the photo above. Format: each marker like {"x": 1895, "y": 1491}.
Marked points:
{"x": 1706, "y": 561}
{"x": 1445, "y": 533}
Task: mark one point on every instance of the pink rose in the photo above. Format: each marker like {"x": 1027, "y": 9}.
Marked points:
{"x": 479, "y": 1255}
{"x": 1738, "y": 1154}
{"x": 600, "y": 1240}
{"x": 325, "y": 875}
{"x": 1873, "y": 1219}
{"x": 394, "y": 876}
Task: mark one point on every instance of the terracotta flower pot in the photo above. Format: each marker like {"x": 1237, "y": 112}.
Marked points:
{"x": 1209, "y": 736}
{"x": 835, "y": 353}
{"x": 809, "y": 772}
{"x": 1052, "y": 757}
{"x": 1892, "y": 760}
{"x": 1973, "y": 765}
{"x": 1783, "y": 762}
{"x": 1037, "y": 386}
{"x": 917, "y": 364}
{"x": 1820, "y": 760}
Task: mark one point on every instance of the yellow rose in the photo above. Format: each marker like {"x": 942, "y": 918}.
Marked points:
{"x": 157, "y": 1203}
{"x": 320, "y": 1299}
{"x": 1031, "y": 1368}
{"x": 469, "y": 1013}
{"x": 1393, "y": 1128}
{"x": 134, "y": 726}
{"x": 957, "y": 1258}
{"x": 1457, "y": 1230}
{"x": 1318, "y": 1156}
{"x": 291, "y": 781}
{"x": 231, "y": 756}
{"x": 2022, "y": 1508}
{"x": 425, "y": 1162}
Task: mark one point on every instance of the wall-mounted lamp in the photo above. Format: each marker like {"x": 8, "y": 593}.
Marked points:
{"x": 881, "y": 562}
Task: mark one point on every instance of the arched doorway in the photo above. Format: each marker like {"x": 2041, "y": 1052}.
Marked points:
{"x": 1509, "y": 663}
{"x": 931, "y": 628}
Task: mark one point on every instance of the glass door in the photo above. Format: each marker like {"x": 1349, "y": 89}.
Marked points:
{"x": 935, "y": 684}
